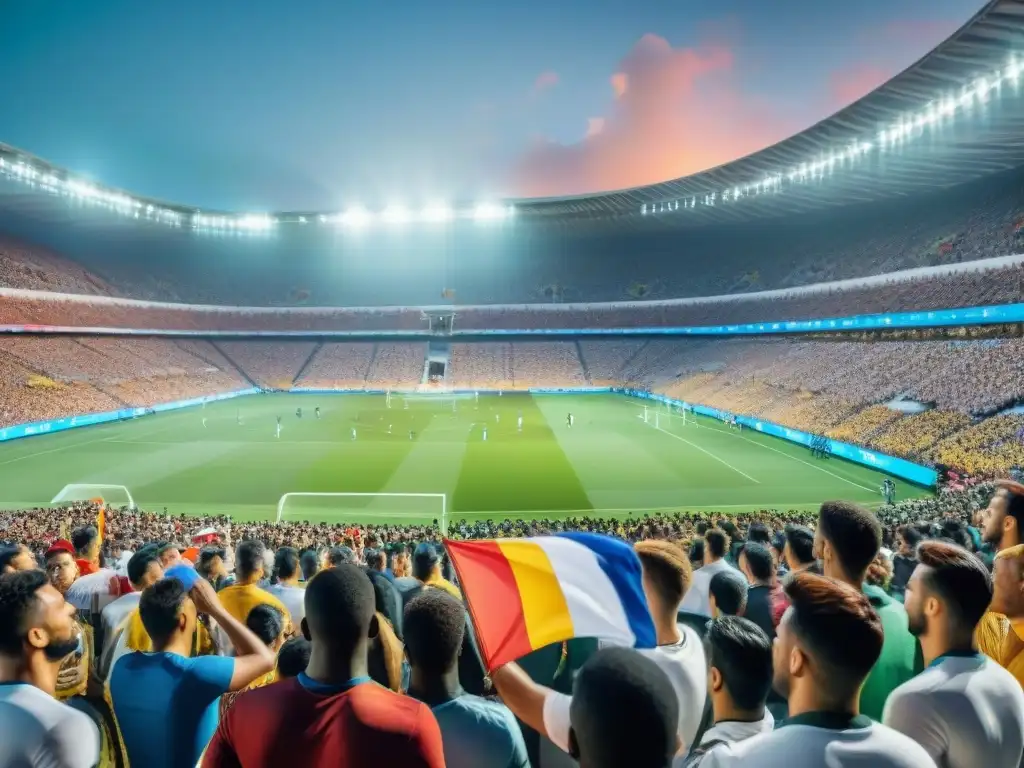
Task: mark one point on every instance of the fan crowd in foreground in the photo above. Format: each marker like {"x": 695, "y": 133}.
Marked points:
{"x": 793, "y": 639}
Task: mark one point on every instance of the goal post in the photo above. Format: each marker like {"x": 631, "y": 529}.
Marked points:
{"x": 116, "y": 495}
{"x": 364, "y": 508}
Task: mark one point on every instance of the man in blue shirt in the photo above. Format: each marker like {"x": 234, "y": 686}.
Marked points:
{"x": 476, "y": 733}
{"x": 165, "y": 703}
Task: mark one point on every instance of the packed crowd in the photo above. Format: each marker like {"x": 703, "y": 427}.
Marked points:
{"x": 789, "y": 639}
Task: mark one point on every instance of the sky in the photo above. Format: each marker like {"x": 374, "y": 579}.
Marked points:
{"x": 321, "y": 105}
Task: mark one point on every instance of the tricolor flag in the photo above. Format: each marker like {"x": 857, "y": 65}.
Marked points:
{"x": 524, "y": 594}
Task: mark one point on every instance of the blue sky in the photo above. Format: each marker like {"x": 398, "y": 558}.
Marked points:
{"x": 266, "y": 105}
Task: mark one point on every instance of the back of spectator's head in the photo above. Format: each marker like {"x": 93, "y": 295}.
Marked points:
{"x": 716, "y": 544}
{"x": 799, "y": 546}
{"x": 144, "y": 568}
{"x": 730, "y": 528}
{"x": 166, "y": 611}
{"x": 666, "y": 573}
{"x": 86, "y": 541}
{"x": 849, "y": 537}
{"x": 759, "y": 532}
{"x": 293, "y": 657}
{"x": 310, "y": 564}
{"x": 424, "y": 560}
{"x": 267, "y": 623}
{"x": 696, "y": 552}
{"x": 340, "y": 607}
{"x": 286, "y": 563}
{"x": 727, "y": 592}
{"x": 1003, "y": 520}
{"x": 434, "y": 624}
{"x": 34, "y": 617}
{"x": 1008, "y": 582}
{"x": 828, "y": 640}
{"x": 249, "y": 560}
{"x": 950, "y": 586}
{"x": 16, "y": 557}
{"x": 624, "y": 712}
{"x": 375, "y": 559}
{"x": 756, "y": 560}
{"x": 956, "y": 532}
{"x": 340, "y": 555}
{"x": 739, "y": 656}
{"x": 911, "y": 537}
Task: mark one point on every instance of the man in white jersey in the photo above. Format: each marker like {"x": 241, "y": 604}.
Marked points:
{"x": 353, "y": 433}
{"x": 278, "y": 433}
{"x": 964, "y": 709}
{"x": 36, "y": 634}
{"x": 716, "y": 547}
{"x": 520, "y": 422}
{"x": 679, "y": 654}
{"x": 828, "y": 640}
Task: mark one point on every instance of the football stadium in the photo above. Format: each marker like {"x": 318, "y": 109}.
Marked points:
{"x": 801, "y": 371}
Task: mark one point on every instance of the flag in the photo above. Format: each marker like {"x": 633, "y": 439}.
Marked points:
{"x": 101, "y": 519}
{"x": 524, "y": 594}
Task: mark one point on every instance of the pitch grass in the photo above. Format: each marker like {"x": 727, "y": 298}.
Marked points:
{"x": 611, "y": 463}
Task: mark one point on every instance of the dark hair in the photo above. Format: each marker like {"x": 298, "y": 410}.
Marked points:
{"x": 159, "y": 608}
{"x": 742, "y": 652}
{"x": 18, "y": 603}
{"x": 286, "y": 563}
{"x": 801, "y": 543}
{"x": 716, "y": 542}
{"x": 624, "y": 711}
{"x": 248, "y": 558}
{"x": 666, "y": 567}
{"x": 730, "y": 592}
{"x": 837, "y": 625}
{"x": 7, "y": 556}
{"x": 340, "y": 605}
{"x": 139, "y": 563}
{"x": 760, "y": 533}
{"x": 423, "y": 560}
{"x": 956, "y": 531}
{"x": 340, "y": 555}
{"x": 375, "y": 559}
{"x": 309, "y": 562}
{"x": 854, "y": 533}
{"x": 83, "y": 538}
{"x": 910, "y": 535}
{"x": 266, "y": 622}
{"x": 759, "y": 560}
{"x": 696, "y": 553}
{"x": 1014, "y": 500}
{"x": 958, "y": 578}
{"x": 293, "y": 657}
{"x": 434, "y": 624}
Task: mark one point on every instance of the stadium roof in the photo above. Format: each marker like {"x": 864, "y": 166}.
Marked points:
{"x": 955, "y": 115}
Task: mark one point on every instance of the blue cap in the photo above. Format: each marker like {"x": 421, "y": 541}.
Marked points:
{"x": 186, "y": 574}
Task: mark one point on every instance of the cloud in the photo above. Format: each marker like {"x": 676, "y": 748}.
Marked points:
{"x": 545, "y": 81}
{"x": 675, "y": 111}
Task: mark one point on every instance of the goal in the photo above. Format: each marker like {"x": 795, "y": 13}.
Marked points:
{"x": 365, "y": 508}
{"x": 115, "y": 495}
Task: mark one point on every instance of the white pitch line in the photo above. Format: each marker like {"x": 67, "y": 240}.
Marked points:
{"x": 52, "y": 450}
{"x": 709, "y": 453}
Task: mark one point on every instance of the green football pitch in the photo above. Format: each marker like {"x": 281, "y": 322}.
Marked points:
{"x": 611, "y": 462}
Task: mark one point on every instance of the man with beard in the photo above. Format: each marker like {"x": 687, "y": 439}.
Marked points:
{"x": 964, "y": 709}
{"x": 36, "y": 634}
{"x": 827, "y": 643}
{"x": 1003, "y": 520}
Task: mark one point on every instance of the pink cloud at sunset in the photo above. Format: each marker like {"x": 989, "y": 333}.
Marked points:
{"x": 545, "y": 81}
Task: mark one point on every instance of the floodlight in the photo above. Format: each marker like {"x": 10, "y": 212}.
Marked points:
{"x": 437, "y": 212}
{"x": 489, "y": 212}
{"x": 355, "y": 217}
{"x": 395, "y": 214}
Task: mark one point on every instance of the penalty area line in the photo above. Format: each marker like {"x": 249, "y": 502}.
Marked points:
{"x": 709, "y": 453}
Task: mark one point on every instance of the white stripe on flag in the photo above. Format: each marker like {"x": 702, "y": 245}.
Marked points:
{"x": 593, "y": 603}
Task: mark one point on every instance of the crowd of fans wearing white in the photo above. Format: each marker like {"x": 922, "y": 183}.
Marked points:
{"x": 344, "y": 645}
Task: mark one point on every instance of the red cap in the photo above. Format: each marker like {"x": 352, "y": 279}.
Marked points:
{"x": 61, "y": 545}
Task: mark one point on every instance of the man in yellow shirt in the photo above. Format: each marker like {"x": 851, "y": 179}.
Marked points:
{"x": 1004, "y": 641}
{"x": 245, "y": 594}
{"x": 426, "y": 568}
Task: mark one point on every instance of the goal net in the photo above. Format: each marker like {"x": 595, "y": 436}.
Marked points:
{"x": 365, "y": 508}
{"x": 112, "y": 495}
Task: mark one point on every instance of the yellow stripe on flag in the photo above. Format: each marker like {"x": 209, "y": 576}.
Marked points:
{"x": 545, "y": 611}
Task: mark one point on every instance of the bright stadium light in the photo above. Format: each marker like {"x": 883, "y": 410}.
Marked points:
{"x": 357, "y": 216}
{"x": 395, "y": 214}
{"x": 491, "y": 212}
{"x": 437, "y": 212}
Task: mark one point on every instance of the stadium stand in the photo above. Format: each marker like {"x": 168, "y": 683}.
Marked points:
{"x": 554, "y": 363}
{"x": 481, "y": 366}
{"x": 338, "y": 366}
{"x": 397, "y": 365}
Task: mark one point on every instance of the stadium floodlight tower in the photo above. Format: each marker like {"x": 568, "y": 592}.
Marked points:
{"x": 114, "y": 495}
{"x": 365, "y": 508}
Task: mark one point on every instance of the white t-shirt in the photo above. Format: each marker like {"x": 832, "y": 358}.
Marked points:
{"x": 964, "y": 710}
{"x": 293, "y": 599}
{"x": 725, "y": 732}
{"x": 37, "y": 731}
{"x": 111, "y": 618}
{"x": 686, "y": 669}
{"x": 817, "y": 740}
{"x": 697, "y": 598}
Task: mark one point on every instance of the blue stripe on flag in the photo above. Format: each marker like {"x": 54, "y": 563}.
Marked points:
{"x": 622, "y": 567}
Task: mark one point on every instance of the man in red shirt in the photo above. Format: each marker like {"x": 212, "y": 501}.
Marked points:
{"x": 332, "y": 714}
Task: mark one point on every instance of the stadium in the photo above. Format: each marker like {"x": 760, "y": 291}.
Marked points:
{"x": 531, "y": 425}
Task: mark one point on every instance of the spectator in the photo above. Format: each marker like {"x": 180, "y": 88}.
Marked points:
{"x": 377, "y": 561}
{"x": 61, "y": 566}
{"x": 739, "y": 657}
{"x": 475, "y": 732}
{"x": 245, "y": 594}
{"x": 121, "y": 619}
{"x": 727, "y": 593}
{"x": 679, "y": 655}
{"x": 426, "y": 568}
{"x": 331, "y": 714}
{"x": 799, "y": 550}
{"x": 310, "y": 564}
{"x": 1004, "y": 517}
{"x": 763, "y": 593}
{"x": 716, "y": 547}
{"x": 904, "y": 563}
{"x": 964, "y": 709}
{"x": 36, "y": 634}
{"x": 86, "y": 541}
{"x": 828, "y": 641}
{"x": 211, "y": 566}
{"x": 340, "y": 556}
{"x": 286, "y": 583}
{"x": 623, "y": 712}
{"x": 293, "y": 657}
{"x": 16, "y": 558}
{"x": 1006, "y": 644}
{"x": 165, "y": 703}
{"x": 847, "y": 539}
{"x": 169, "y": 554}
